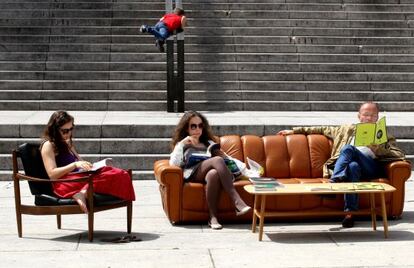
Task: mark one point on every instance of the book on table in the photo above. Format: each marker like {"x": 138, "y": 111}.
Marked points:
{"x": 265, "y": 183}
{"x": 371, "y": 133}
{"x": 361, "y": 186}
{"x": 358, "y": 186}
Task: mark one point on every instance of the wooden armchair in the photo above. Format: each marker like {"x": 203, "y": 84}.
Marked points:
{"x": 46, "y": 202}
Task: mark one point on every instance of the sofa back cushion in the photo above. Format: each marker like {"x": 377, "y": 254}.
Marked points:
{"x": 292, "y": 156}
{"x": 232, "y": 145}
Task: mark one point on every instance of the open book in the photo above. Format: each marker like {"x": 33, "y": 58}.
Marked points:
{"x": 371, "y": 133}
{"x": 103, "y": 163}
{"x": 198, "y": 156}
{"x": 96, "y": 166}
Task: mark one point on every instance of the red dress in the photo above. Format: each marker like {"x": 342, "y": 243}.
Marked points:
{"x": 107, "y": 180}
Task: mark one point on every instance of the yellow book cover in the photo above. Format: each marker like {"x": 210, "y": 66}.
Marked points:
{"x": 342, "y": 187}
{"x": 371, "y": 133}
{"x": 367, "y": 186}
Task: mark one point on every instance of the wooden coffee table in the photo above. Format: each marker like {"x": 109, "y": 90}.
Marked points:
{"x": 317, "y": 188}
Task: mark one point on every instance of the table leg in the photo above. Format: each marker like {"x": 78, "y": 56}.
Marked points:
{"x": 373, "y": 212}
{"x": 261, "y": 216}
{"x": 254, "y": 221}
{"x": 384, "y": 214}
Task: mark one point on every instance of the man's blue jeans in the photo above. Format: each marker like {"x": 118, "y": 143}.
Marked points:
{"x": 160, "y": 31}
{"x": 351, "y": 166}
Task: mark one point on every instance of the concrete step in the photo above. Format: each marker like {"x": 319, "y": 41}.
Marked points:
{"x": 211, "y": 95}
{"x": 194, "y": 95}
{"x": 203, "y": 105}
{"x": 133, "y": 146}
{"x": 210, "y": 39}
{"x": 7, "y": 175}
{"x": 196, "y": 22}
{"x": 125, "y": 161}
{"x": 191, "y": 6}
{"x": 210, "y": 76}
{"x": 208, "y": 57}
{"x": 114, "y": 134}
{"x": 8, "y": 66}
{"x": 210, "y": 48}
{"x": 245, "y": 31}
{"x": 47, "y": 85}
{"x": 118, "y": 124}
{"x": 103, "y": 145}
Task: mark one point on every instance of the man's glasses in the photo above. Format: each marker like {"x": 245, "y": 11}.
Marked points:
{"x": 66, "y": 130}
{"x": 194, "y": 126}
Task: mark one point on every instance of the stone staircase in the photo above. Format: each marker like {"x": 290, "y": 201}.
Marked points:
{"x": 245, "y": 55}
{"x": 318, "y": 55}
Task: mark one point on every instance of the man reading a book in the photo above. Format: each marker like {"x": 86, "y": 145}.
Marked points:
{"x": 349, "y": 163}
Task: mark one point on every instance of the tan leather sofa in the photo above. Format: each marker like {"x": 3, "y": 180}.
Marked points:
{"x": 291, "y": 159}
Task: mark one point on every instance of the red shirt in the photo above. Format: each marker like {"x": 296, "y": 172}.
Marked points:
{"x": 172, "y": 21}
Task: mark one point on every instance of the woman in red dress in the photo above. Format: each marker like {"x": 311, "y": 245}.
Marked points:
{"x": 61, "y": 159}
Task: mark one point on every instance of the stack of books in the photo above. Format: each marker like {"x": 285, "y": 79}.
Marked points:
{"x": 265, "y": 183}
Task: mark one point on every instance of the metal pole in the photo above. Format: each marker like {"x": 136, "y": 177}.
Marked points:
{"x": 180, "y": 67}
{"x": 175, "y": 78}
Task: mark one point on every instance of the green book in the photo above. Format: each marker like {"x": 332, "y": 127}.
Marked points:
{"x": 371, "y": 133}
{"x": 367, "y": 186}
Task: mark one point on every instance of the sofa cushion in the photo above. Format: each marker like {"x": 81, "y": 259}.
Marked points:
{"x": 232, "y": 145}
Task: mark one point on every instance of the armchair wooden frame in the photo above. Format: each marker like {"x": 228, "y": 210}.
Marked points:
{"x": 60, "y": 210}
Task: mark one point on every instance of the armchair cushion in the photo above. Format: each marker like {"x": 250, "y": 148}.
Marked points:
{"x": 52, "y": 200}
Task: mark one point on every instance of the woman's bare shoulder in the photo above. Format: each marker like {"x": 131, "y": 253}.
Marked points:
{"x": 47, "y": 146}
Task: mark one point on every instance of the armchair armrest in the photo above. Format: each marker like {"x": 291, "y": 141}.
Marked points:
{"x": 171, "y": 182}
{"x": 167, "y": 174}
{"x": 28, "y": 178}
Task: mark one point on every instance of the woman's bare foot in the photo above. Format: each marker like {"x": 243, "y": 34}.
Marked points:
{"x": 80, "y": 198}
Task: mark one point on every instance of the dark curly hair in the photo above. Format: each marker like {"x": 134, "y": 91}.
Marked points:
{"x": 52, "y": 131}
{"x": 181, "y": 132}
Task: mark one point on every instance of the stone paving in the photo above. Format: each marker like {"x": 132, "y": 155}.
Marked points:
{"x": 309, "y": 244}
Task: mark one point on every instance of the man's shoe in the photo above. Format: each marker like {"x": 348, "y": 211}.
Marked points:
{"x": 143, "y": 29}
{"x": 348, "y": 221}
{"x": 160, "y": 45}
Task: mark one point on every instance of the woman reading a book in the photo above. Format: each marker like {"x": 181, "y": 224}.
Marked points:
{"x": 61, "y": 161}
{"x": 193, "y": 135}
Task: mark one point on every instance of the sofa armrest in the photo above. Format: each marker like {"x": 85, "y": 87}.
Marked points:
{"x": 397, "y": 172}
{"x": 171, "y": 182}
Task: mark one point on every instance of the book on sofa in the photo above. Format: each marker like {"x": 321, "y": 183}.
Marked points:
{"x": 198, "y": 156}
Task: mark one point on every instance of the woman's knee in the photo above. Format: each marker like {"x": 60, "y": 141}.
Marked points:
{"x": 218, "y": 160}
{"x": 212, "y": 175}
